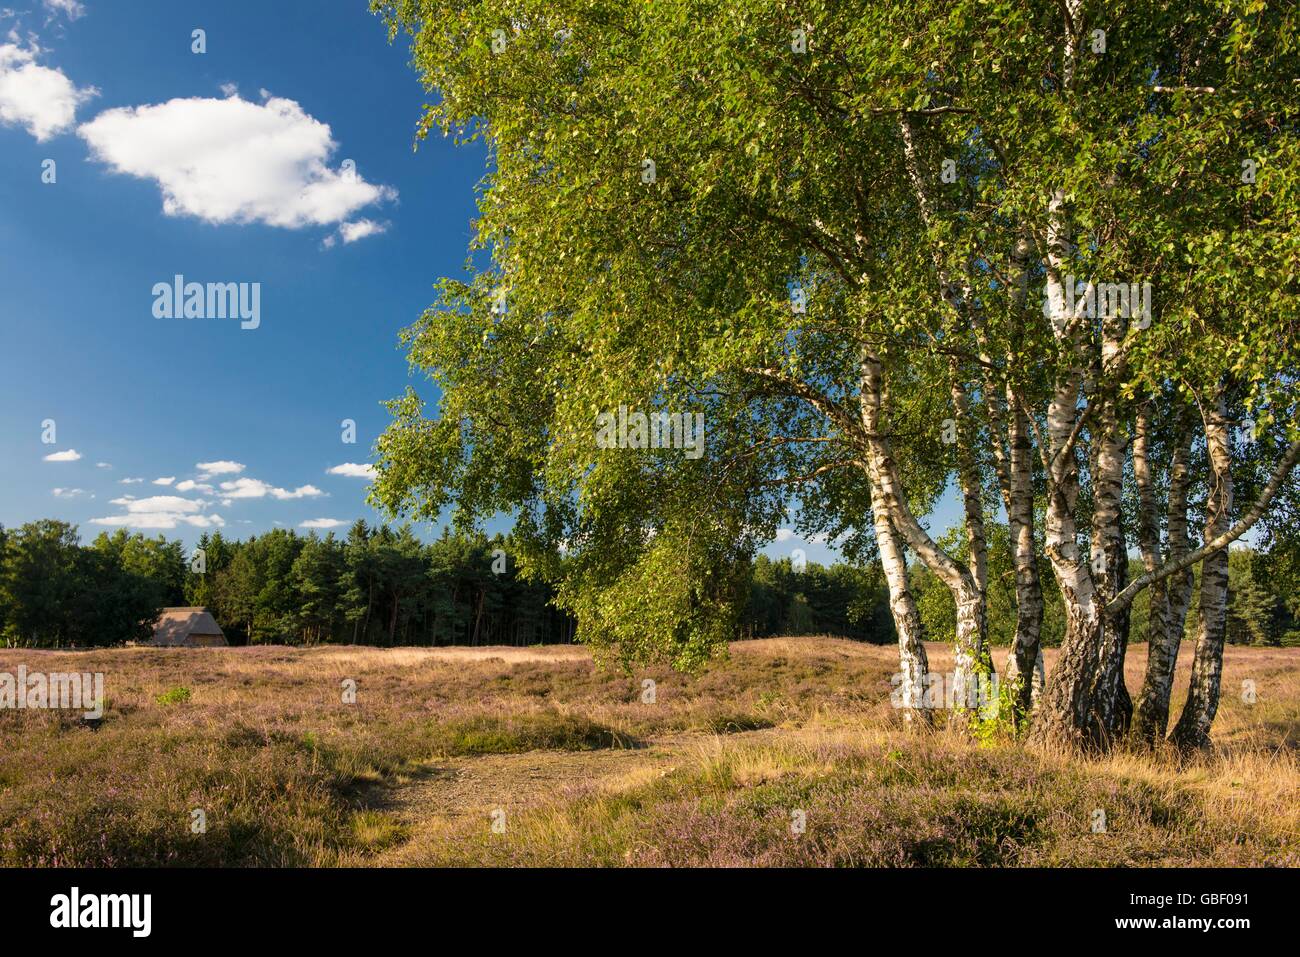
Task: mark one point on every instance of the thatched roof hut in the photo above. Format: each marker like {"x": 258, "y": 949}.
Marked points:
{"x": 187, "y": 627}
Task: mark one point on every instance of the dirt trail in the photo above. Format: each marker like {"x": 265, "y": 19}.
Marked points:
{"x": 453, "y": 793}
{"x": 447, "y": 795}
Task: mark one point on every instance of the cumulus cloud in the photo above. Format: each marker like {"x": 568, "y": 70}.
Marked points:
{"x": 322, "y": 523}
{"x": 207, "y": 470}
{"x": 232, "y": 160}
{"x": 162, "y": 520}
{"x": 68, "y": 492}
{"x": 158, "y": 503}
{"x": 189, "y": 485}
{"x": 256, "y": 488}
{"x": 302, "y": 491}
{"x": 351, "y": 232}
{"x": 103, "y": 465}
{"x": 245, "y": 488}
{"x": 160, "y": 511}
{"x": 165, "y": 480}
{"x": 360, "y": 229}
{"x": 40, "y": 99}
{"x": 784, "y": 534}
{"x": 352, "y": 470}
{"x": 131, "y": 481}
{"x": 68, "y": 455}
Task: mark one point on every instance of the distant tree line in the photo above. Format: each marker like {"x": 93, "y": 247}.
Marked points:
{"x": 56, "y": 593}
{"x": 376, "y": 586}
{"x": 812, "y": 599}
{"x": 380, "y": 586}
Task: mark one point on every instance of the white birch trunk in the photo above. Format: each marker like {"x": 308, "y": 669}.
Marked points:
{"x": 913, "y": 666}
{"x": 970, "y": 656}
{"x": 1063, "y": 717}
{"x": 1024, "y": 673}
{"x": 1169, "y": 597}
{"x": 1193, "y": 728}
{"x": 1026, "y": 655}
{"x": 1112, "y": 708}
{"x": 912, "y": 662}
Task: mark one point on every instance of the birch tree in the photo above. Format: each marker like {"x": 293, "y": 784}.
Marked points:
{"x": 847, "y": 233}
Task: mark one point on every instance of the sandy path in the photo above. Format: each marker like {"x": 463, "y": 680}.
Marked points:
{"x": 457, "y": 796}
{"x": 450, "y": 796}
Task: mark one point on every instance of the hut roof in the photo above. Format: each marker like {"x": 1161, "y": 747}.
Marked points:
{"x": 175, "y": 625}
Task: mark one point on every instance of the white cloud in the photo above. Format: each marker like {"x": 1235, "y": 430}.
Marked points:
{"x": 68, "y": 492}
{"x": 158, "y": 503}
{"x": 256, "y": 488}
{"x": 162, "y": 520}
{"x": 245, "y": 488}
{"x": 322, "y": 523}
{"x": 784, "y": 534}
{"x": 302, "y": 491}
{"x": 352, "y": 470}
{"x": 102, "y": 465}
{"x": 165, "y": 480}
{"x": 40, "y": 99}
{"x": 359, "y": 229}
{"x": 207, "y": 470}
{"x": 189, "y": 485}
{"x": 131, "y": 481}
{"x": 160, "y": 511}
{"x": 68, "y": 455}
{"x": 233, "y": 161}
{"x": 351, "y": 232}
{"x": 71, "y": 9}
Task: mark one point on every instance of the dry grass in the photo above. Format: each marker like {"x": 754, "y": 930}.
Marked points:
{"x": 587, "y": 773}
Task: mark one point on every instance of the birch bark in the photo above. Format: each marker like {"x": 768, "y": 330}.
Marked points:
{"x": 1169, "y": 597}
{"x": 912, "y": 662}
{"x": 1063, "y": 717}
{"x": 1193, "y": 728}
{"x": 1024, "y": 668}
{"x": 967, "y": 585}
{"x": 1026, "y": 655}
{"x": 913, "y": 665}
{"x": 1111, "y": 705}
{"x": 970, "y": 655}
{"x": 1064, "y": 713}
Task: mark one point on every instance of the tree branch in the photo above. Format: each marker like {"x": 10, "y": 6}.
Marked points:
{"x": 1231, "y": 535}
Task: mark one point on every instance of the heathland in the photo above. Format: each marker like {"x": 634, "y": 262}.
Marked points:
{"x": 787, "y": 752}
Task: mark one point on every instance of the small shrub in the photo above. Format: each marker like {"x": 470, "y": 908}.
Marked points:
{"x": 175, "y": 695}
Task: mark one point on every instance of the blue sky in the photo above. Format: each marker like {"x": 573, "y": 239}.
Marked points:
{"x": 228, "y": 165}
{"x": 153, "y": 397}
